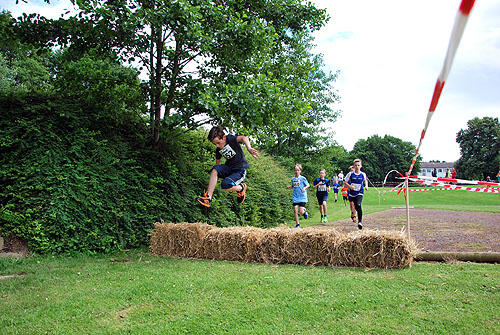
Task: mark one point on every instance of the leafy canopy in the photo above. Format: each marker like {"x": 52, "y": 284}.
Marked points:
{"x": 241, "y": 63}
{"x": 382, "y": 154}
{"x": 479, "y": 148}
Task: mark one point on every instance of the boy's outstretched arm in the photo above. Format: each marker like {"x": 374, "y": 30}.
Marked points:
{"x": 246, "y": 141}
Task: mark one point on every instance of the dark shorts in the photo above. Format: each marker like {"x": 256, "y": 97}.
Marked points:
{"x": 336, "y": 190}
{"x": 344, "y": 197}
{"x": 301, "y": 204}
{"x": 231, "y": 176}
{"x": 321, "y": 198}
{"x": 357, "y": 199}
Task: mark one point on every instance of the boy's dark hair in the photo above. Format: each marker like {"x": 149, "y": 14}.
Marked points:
{"x": 216, "y": 131}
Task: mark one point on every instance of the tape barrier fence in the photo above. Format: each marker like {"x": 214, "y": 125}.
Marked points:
{"x": 456, "y": 36}
{"x": 441, "y": 180}
{"x": 436, "y": 181}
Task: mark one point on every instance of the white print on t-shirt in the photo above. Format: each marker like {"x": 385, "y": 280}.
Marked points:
{"x": 357, "y": 187}
{"x": 228, "y": 152}
{"x": 296, "y": 183}
{"x": 322, "y": 188}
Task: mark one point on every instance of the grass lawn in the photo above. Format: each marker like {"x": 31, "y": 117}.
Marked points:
{"x": 376, "y": 200}
{"x": 136, "y": 293}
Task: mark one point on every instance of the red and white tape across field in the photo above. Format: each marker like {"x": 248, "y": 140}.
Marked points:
{"x": 456, "y": 36}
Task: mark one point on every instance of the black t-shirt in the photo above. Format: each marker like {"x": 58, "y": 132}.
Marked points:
{"x": 233, "y": 153}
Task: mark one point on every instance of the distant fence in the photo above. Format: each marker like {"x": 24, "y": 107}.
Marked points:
{"x": 387, "y": 184}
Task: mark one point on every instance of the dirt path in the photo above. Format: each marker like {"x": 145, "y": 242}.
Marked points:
{"x": 436, "y": 230}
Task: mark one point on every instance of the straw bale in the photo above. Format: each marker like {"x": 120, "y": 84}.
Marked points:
{"x": 311, "y": 246}
{"x": 375, "y": 249}
{"x": 283, "y": 245}
{"x": 307, "y": 246}
{"x": 232, "y": 244}
{"x": 272, "y": 245}
{"x": 178, "y": 239}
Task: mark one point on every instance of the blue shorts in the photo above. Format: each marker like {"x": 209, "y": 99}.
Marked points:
{"x": 336, "y": 190}
{"x": 231, "y": 176}
{"x": 321, "y": 198}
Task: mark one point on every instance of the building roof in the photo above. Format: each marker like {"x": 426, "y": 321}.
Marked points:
{"x": 440, "y": 165}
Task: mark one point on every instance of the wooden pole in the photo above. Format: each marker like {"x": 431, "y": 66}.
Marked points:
{"x": 443, "y": 256}
{"x": 407, "y": 208}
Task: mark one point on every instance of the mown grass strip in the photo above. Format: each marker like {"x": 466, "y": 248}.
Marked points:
{"x": 136, "y": 293}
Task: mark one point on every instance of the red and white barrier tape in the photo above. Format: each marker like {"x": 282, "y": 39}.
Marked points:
{"x": 441, "y": 181}
{"x": 456, "y": 35}
{"x": 486, "y": 189}
{"x": 423, "y": 189}
{"x": 453, "y": 188}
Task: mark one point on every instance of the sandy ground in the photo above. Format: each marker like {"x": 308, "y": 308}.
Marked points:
{"x": 436, "y": 230}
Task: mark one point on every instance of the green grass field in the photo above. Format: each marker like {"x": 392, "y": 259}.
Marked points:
{"x": 136, "y": 293}
{"x": 376, "y": 200}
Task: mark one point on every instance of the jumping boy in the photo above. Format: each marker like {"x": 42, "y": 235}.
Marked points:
{"x": 354, "y": 181}
{"x": 234, "y": 169}
{"x": 322, "y": 186}
{"x": 299, "y": 195}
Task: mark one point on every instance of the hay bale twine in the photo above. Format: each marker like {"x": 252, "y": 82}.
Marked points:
{"x": 375, "y": 249}
{"x": 232, "y": 244}
{"x": 178, "y": 239}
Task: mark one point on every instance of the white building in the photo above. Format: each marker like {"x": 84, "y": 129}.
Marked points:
{"x": 426, "y": 168}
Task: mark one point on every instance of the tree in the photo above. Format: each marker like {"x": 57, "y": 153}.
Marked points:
{"x": 479, "y": 149}
{"x": 239, "y": 63}
{"x": 380, "y": 155}
{"x": 22, "y": 67}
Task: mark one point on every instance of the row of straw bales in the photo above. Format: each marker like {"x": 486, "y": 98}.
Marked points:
{"x": 282, "y": 245}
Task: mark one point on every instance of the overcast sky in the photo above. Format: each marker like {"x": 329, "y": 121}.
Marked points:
{"x": 389, "y": 54}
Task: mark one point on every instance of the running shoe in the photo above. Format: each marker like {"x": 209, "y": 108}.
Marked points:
{"x": 305, "y": 214}
{"x": 204, "y": 200}
{"x": 240, "y": 196}
{"x": 360, "y": 225}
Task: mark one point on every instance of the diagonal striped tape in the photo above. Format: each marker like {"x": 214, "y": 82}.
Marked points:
{"x": 456, "y": 35}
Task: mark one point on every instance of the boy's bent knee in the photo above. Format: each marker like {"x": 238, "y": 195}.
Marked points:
{"x": 226, "y": 184}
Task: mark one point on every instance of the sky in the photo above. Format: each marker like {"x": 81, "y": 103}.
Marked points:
{"x": 389, "y": 54}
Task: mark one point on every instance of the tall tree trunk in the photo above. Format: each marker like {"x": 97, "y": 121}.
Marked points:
{"x": 157, "y": 85}
{"x": 151, "y": 87}
{"x": 173, "y": 78}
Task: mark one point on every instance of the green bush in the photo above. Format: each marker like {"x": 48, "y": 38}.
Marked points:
{"x": 70, "y": 184}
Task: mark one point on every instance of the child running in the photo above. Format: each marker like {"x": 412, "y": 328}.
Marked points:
{"x": 322, "y": 186}
{"x": 344, "y": 192}
{"x": 351, "y": 204}
{"x": 299, "y": 195}
{"x": 336, "y": 187}
{"x": 234, "y": 170}
{"x": 354, "y": 181}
